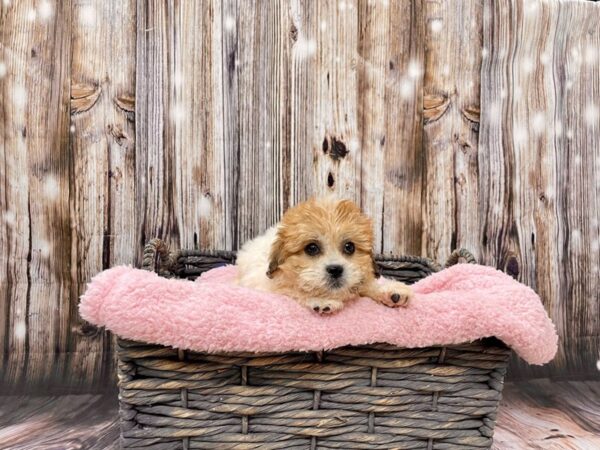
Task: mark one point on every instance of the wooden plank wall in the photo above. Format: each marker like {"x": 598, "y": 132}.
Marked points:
{"x": 201, "y": 122}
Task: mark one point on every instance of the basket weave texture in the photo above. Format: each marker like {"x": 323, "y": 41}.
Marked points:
{"x": 367, "y": 397}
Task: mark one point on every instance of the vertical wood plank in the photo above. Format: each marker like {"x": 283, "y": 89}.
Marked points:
{"x": 35, "y": 236}
{"x": 325, "y": 134}
{"x": 255, "y": 61}
{"x": 540, "y": 130}
{"x": 391, "y": 62}
{"x": 103, "y": 172}
{"x": 154, "y": 172}
{"x": 451, "y": 126}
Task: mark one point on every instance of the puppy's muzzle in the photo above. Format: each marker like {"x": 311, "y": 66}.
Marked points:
{"x": 335, "y": 272}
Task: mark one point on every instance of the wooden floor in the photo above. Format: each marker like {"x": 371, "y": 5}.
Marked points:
{"x": 534, "y": 415}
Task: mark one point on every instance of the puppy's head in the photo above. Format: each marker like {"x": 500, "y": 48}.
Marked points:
{"x": 323, "y": 247}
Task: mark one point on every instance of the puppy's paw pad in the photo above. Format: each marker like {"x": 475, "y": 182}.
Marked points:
{"x": 395, "y": 295}
{"x": 325, "y": 306}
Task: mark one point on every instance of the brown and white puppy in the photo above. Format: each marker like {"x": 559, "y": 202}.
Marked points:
{"x": 321, "y": 254}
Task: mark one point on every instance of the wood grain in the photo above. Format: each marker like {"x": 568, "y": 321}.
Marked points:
{"x": 451, "y": 126}
{"x": 256, "y": 59}
{"x": 88, "y": 422}
{"x": 103, "y": 167}
{"x": 539, "y": 205}
{"x": 36, "y": 232}
{"x": 391, "y": 62}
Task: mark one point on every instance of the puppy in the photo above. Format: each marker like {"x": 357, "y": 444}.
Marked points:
{"x": 321, "y": 254}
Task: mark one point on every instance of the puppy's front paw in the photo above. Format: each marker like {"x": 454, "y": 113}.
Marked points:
{"x": 324, "y": 306}
{"x": 394, "y": 294}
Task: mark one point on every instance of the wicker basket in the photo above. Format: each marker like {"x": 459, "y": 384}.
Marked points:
{"x": 368, "y": 397}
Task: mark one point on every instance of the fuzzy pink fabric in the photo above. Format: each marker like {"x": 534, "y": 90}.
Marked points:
{"x": 460, "y": 304}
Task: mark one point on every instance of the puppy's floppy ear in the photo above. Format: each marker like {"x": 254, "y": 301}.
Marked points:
{"x": 276, "y": 256}
{"x": 376, "y": 271}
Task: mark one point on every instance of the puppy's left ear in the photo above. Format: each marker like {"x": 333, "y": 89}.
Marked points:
{"x": 276, "y": 256}
{"x": 376, "y": 271}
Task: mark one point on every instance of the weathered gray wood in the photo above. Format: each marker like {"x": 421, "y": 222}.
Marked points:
{"x": 451, "y": 126}
{"x": 390, "y": 103}
{"x": 103, "y": 171}
{"x": 540, "y": 197}
{"x": 256, "y": 95}
{"x": 35, "y": 233}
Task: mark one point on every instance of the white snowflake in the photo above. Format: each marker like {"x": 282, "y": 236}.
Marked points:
{"x": 406, "y": 89}
{"x": 10, "y": 218}
{"x": 569, "y": 134}
{"x": 3, "y": 69}
{"x": 527, "y": 65}
{"x": 177, "y": 78}
{"x": 45, "y": 10}
{"x": 31, "y": 15}
{"x": 538, "y": 123}
{"x": 520, "y": 134}
{"x": 517, "y": 91}
{"x": 304, "y": 47}
{"x": 569, "y": 85}
{"x": 229, "y": 23}
{"x": 177, "y": 113}
{"x": 72, "y": 128}
{"x": 484, "y": 52}
{"x": 436, "y": 25}
{"x": 51, "y": 188}
{"x": 204, "y": 207}
{"x": 577, "y": 160}
{"x": 323, "y": 25}
{"x": 414, "y": 69}
{"x": 590, "y": 55}
{"x": 354, "y": 145}
{"x": 591, "y": 114}
{"x": 19, "y": 96}
{"x": 44, "y": 248}
{"x": 446, "y": 70}
{"x": 575, "y": 238}
{"x": 342, "y": 5}
{"x": 20, "y": 331}
{"x": 337, "y": 59}
{"x": 576, "y": 56}
{"x": 545, "y": 58}
{"x": 598, "y": 364}
{"x": 87, "y": 15}
{"x": 495, "y": 112}
{"x": 531, "y": 7}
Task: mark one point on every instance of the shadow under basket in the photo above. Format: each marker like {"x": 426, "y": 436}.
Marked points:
{"x": 364, "y": 397}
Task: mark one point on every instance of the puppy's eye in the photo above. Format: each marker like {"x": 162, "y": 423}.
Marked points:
{"x": 312, "y": 249}
{"x": 349, "y": 248}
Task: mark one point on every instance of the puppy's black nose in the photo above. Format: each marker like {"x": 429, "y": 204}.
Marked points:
{"x": 335, "y": 270}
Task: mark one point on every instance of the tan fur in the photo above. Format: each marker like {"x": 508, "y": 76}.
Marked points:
{"x": 278, "y": 262}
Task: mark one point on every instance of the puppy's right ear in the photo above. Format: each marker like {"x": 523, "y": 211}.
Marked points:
{"x": 276, "y": 256}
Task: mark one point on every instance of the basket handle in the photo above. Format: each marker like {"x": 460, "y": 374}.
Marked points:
{"x": 457, "y": 254}
{"x": 156, "y": 256}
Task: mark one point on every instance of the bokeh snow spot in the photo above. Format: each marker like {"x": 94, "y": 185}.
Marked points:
{"x": 87, "y": 15}
{"x": 51, "y": 188}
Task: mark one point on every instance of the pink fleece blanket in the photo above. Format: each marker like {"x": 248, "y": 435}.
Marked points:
{"x": 463, "y": 303}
